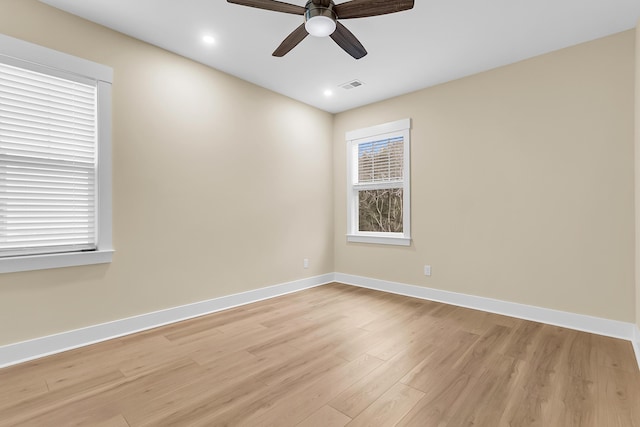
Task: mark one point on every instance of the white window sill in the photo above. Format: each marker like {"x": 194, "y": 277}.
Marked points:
{"x": 379, "y": 239}
{"x": 42, "y": 262}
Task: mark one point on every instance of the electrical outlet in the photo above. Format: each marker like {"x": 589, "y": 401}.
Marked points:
{"x": 427, "y": 270}
{"x": 305, "y": 263}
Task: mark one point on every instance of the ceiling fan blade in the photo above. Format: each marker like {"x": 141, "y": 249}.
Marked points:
{"x": 291, "y": 41}
{"x": 276, "y": 6}
{"x": 347, "y": 41}
{"x": 364, "y": 8}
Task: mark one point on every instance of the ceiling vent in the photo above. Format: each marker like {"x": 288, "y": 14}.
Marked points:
{"x": 351, "y": 85}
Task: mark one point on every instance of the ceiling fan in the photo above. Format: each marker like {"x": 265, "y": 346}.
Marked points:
{"x": 321, "y": 19}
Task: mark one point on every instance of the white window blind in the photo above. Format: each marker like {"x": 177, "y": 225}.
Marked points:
{"x": 48, "y": 150}
{"x": 380, "y": 161}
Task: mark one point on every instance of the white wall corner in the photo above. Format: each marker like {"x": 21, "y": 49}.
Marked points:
{"x": 13, "y": 354}
{"x": 580, "y": 322}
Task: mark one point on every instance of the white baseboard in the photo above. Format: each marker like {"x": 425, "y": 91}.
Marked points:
{"x": 580, "y": 322}
{"x": 636, "y": 344}
{"x": 28, "y": 350}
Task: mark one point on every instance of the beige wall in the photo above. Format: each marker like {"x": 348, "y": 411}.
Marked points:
{"x": 219, "y": 186}
{"x": 522, "y": 183}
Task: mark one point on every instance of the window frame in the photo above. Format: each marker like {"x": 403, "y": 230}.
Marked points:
{"x": 44, "y": 60}
{"x": 354, "y": 139}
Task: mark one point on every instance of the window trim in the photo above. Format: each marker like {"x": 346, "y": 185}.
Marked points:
{"x": 358, "y": 136}
{"x": 41, "y": 59}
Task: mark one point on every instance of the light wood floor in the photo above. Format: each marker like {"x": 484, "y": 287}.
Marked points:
{"x": 334, "y": 356}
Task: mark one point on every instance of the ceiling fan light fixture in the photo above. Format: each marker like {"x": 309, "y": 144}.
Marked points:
{"x": 320, "y": 26}
{"x": 319, "y": 21}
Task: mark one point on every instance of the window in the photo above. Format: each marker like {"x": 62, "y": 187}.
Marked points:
{"x": 55, "y": 159}
{"x": 378, "y": 179}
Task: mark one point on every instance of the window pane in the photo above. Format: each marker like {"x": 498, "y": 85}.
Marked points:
{"x": 380, "y": 210}
{"x": 380, "y": 161}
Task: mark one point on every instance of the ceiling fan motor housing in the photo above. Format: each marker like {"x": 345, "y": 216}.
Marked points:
{"x": 320, "y": 20}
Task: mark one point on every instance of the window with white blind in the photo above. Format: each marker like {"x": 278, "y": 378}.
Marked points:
{"x": 55, "y": 171}
{"x": 378, "y": 180}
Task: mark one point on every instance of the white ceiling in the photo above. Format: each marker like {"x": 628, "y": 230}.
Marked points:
{"x": 437, "y": 41}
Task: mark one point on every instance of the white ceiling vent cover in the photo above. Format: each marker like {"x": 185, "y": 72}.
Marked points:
{"x": 351, "y": 85}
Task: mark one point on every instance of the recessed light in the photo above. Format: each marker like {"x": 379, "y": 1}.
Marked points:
{"x": 328, "y": 92}
{"x": 208, "y": 39}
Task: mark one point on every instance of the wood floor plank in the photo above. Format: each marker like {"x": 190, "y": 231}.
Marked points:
{"x": 545, "y": 357}
{"x": 613, "y": 353}
{"x": 520, "y": 343}
{"x": 488, "y": 393}
{"x": 61, "y": 406}
{"x": 390, "y": 408}
{"x": 363, "y": 393}
{"x": 441, "y": 359}
{"x": 198, "y": 401}
{"x": 414, "y": 331}
{"x": 117, "y": 421}
{"x": 325, "y": 417}
{"x": 21, "y": 388}
{"x": 334, "y": 355}
{"x": 618, "y": 388}
{"x": 310, "y": 397}
{"x": 439, "y": 403}
{"x": 240, "y": 326}
{"x": 481, "y": 354}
